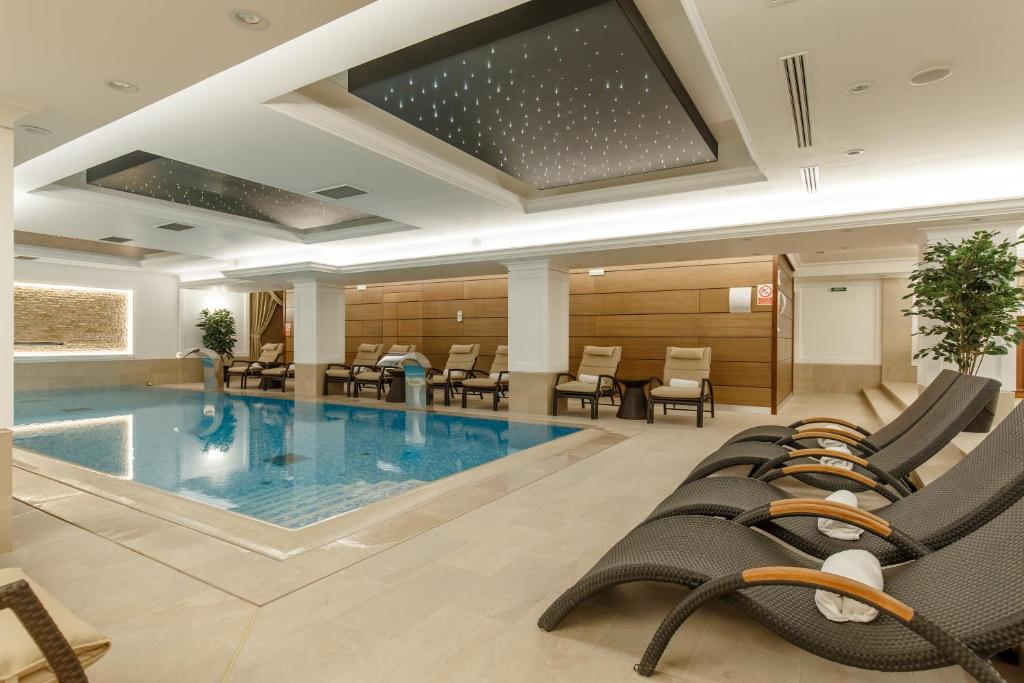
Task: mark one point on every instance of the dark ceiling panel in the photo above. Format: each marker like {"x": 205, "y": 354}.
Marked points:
{"x": 149, "y": 175}
{"x": 552, "y": 93}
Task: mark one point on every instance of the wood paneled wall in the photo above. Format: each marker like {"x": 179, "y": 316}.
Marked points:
{"x": 784, "y": 331}
{"x": 424, "y": 314}
{"x": 645, "y": 309}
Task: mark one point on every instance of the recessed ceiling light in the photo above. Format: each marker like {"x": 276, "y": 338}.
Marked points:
{"x": 933, "y": 74}
{"x": 858, "y": 88}
{"x": 855, "y": 152}
{"x": 121, "y": 86}
{"x": 819, "y": 252}
{"x": 246, "y": 18}
{"x": 34, "y": 130}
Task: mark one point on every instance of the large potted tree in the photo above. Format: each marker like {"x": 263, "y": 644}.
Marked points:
{"x": 967, "y": 300}
{"x": 218, "y": 331}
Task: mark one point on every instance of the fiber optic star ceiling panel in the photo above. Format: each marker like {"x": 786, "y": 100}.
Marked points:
{"x": 552, "y": 93}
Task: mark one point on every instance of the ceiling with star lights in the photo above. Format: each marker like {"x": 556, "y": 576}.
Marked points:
{"x": 157, "y": 177}
{"x": 553, "y": 94}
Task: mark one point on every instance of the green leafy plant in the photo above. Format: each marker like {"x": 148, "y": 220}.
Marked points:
{"x": 218, "y": 331}
{"x": 967, "y": 298}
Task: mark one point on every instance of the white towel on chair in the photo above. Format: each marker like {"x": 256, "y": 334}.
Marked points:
{"x": 837, "y": 462}
{"x": 835, "y": 528}
{"x": 684, "y": 383}
{"x": 830, "y": 443}
{"x": 859, "y": 565}
{"x": 588, "y": 379}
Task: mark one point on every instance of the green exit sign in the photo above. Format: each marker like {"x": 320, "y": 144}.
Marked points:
{"x": 837, "y": 289}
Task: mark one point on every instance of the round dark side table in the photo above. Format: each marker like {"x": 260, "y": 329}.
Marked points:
{"x": 634, "y": 399}
{"x": 396, "y": 390}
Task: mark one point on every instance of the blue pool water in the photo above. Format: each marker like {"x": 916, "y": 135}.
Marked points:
{"x": 291, "y": 463}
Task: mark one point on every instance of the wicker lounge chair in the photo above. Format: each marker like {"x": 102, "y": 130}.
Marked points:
{"x": 878, "y": 439}
{"x": 40, "y": 638}
{"x": 270, "y": 355}
{"x": 958, "y": 605}
{"x": 600, "y": 363}
{"x": 460, "y": 364}
{"x": 376, "y": 377}
{"x": 277, "y": 374}
{"x": 984, "y": 483}
{"x": 891, "y": 465}
{"x": 692, "y": 365}
{"x": 366, "y": 359}
{"x": 494, "y": 382}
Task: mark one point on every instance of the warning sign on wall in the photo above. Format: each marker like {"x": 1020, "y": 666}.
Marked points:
{"x": 765, "y": 295}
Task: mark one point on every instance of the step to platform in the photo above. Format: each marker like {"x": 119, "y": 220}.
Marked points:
{"x": 885, "y": 406}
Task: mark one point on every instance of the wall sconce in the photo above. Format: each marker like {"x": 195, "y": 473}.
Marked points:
{"x": 458, "y": 316}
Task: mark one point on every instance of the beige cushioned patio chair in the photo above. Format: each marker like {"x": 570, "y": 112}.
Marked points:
{"x": 594, "y": 380}
{"x": 494, "y": 382}
{"x": 460, "y": 364}
{"x": 366, "y": 359}
{"x": 685, "y": 364}
{"x": 41, "y": 640}
{"x": 270, "y": 354}
{"x": 375, "y": 377}
{"x": 278, "y": 373}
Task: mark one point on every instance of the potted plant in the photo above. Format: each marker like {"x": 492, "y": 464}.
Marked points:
{"x": 966, "y": 296}
{"x": 218, "y": 331}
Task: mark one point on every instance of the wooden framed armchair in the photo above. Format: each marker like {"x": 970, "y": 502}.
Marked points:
{"x": 270, "y": 355}
{"x": 494, "y": 382}
{"x": 685, "y": 384}
{"x": 376, "y": 377}
{"x": 366, "y": 359}
{"x": 459, "y": 366}
{"x": 595, "y": 379}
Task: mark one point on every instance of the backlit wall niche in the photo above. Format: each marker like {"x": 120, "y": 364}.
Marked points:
{"x": 58, "y": 320}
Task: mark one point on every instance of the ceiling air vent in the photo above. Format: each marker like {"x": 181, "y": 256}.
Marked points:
{"x": 115, "y": 240}
{"x": 810, "y": 177}
{"x": 175, "y": 227}
{"x": 26, "y": 258}
{"x": 795, "y": 71}
{"x": 340, "y": 192}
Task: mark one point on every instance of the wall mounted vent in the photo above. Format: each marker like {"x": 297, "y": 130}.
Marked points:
{"x": 810, "y": 178}
{"x": 26, "y": 258}
{"x": 115, "y": 240}
{"x": 340, "y": 192}
{"x": 794, "y": 69}
{"x": 175, "y": 227}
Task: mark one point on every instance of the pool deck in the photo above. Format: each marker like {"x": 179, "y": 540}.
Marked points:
{"x": 448, "y": 591}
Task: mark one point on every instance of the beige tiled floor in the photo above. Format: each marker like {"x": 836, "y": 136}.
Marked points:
{"x": 456, "y": 601}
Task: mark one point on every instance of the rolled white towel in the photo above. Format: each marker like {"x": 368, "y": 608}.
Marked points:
{"x": 859, "y": 565}
{"x": 588, "y": 379}
{"x": 837, "y": 462}
{"x": 494, "y": 376}
{"x": 830, "y": 443}
{"x": 684, "y": 383}
{"x": 835, "y": 528}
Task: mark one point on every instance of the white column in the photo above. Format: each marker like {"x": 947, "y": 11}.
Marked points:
{"x": 538, "y": 332}
{"x": 319, "y": 333}
{"x": 7, "y": 116}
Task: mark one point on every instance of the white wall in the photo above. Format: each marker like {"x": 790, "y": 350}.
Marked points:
{"x": 192, "y": 301}
{"x": 838, "y": 327}
{"x": 155, "y": 300}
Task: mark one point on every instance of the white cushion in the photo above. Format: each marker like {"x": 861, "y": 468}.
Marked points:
{"x": 20, "y": 659}
{"x": 686, "y": 354}
{"x": 675, "y": 392}
{"x": 598, "y": 350}
{"x": 680, "y": 383}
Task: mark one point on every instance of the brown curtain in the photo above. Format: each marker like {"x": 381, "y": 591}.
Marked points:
{"x": 263, "y": 306}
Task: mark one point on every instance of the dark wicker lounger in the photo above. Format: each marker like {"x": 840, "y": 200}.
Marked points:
{"x": 979, "y": 487}
{"x": 957, "y": 407}
{"x": 878, "y": 439}
{"x": 958, "y": 605}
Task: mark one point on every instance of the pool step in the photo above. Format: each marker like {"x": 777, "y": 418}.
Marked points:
{"x": 318, "y": 503}
{"x": 903, "y": 393}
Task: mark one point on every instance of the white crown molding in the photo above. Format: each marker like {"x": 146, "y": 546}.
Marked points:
{"x": 313, "y": 113}
{"x": 651, "y": 188}
{"x": 873, "y": 268}
{"x": 77, "y": 258}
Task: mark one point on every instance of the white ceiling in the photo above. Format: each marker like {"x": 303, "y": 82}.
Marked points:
{"x": 947, "y": 152}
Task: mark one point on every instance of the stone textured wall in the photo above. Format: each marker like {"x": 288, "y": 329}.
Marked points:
{"x": 74, "y": 320}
